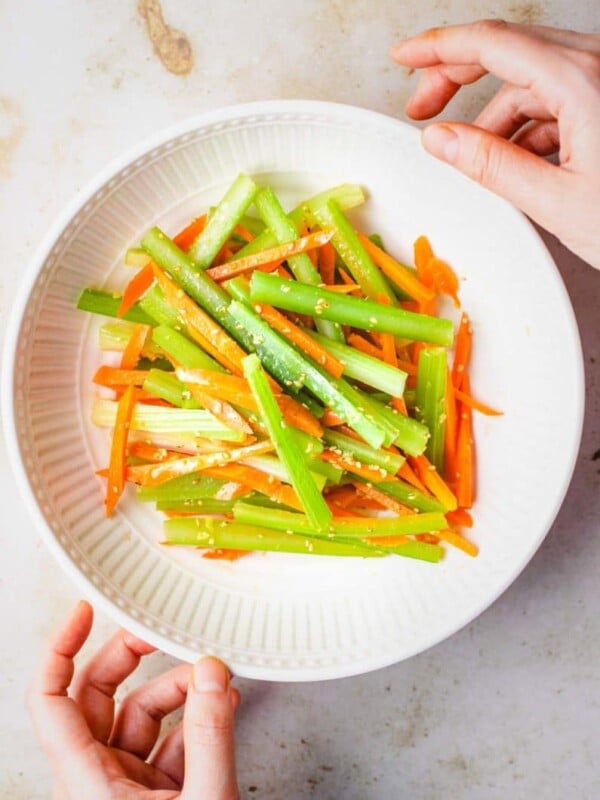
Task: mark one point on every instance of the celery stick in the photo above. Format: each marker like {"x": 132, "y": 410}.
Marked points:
{"x": 431, "y": 400}
{"x": 390, "y": 462}
{"x": 135, "y": 257}
{"x": 287, "y": 449}
{"x": 168, "y": 387}
{"x": 285, "y": 231}
{"x": 366, "y": 314}
{"x": 107, "y": 303}
{"x": 271, "y": 465}
{"x": 364, "y": 368}
{"x": 411, "y": 435}
{"x": 347, "y": 195}
{"x": 200, "y": 505}
{"x": 346, "y": 527}
{"x": 211, "y": 533}
{"x": 115, "y": 335}
{"x": 158, "y": 419}
{"x": 186, "y": 353}
{"x": 193, "y": 487}
{"x": 155, "y": 305}
{"x": 351, "y": 251}
{"x": 411, "y": 497}
{"x": 222, "y": 221}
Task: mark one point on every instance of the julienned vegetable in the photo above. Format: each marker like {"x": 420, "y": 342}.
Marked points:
{"x": 283, "y": 380}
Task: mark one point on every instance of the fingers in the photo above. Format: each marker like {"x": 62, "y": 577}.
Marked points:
{"x": 507, "y": 51}
{"x": 532, "y": 184}
{"x": 437, "y": 86}
{"x": 509, "y": 109}
{"x": 170, "y": 757}
{"x": 96, "y": 684}
{"x": 146, "y": 775}
{"x": 209, "y": 736}
{"x": 541, "y": 138}
{"x": 61, "y": 727}
{"x": 137, "y": 726}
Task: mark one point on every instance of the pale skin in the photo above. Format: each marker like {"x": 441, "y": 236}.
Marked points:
{"x": 549, "y": 104}
{"x": 102, "y": 752}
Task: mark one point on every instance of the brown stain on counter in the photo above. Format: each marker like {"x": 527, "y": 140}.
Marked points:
{"x": 170, "y": 45}
{"x": 525, "y": 13}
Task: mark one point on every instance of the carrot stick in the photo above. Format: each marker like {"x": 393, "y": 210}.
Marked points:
{"x": 155, "y": 474}
{"x": 434, "y": 482}
{"x": 423, "y": 255}
{"x": 301, "y": 339}
{"x": 230, "y": 269}
{"x": 221, "y": 410}
{"x": 186, "y": 237}
{"x": 458, "y": 541}
{"x": 274, "y": 255}
{"x": 331, "y": 420}
{"x": 444, "y": 279}
{"x": 209, "y": 334}
{"x": 349, "y": 288}
{"x": 233, "y": 389}
{"x": 476, "y": 404}
{"x": 382, "y": 499}
{"x": 407, "y": 474}
{"x": 327, "y": 263}
{"x": 243, "y": 232}
{"x": 460, "y": 517}
{"x": 304, "y": 231}
{"x": 341, "y": 495}
{"x": 389, "y": 541}
{"x": 464, "y": 454}
{"x": 259, "y": 481}
{"x": 450, "y": 432}
{"x": 114, "y": 377}
{"x": 225, "y": 555}
{"x": 395, "y": 272}
{"x": 133, "y": 348}
{"x": 118, "y": 450}
{"x": 356, "y": 467}
{"x": 360, "y": 343}
{"x": 462, "y": 350}
{"x": 137, "y": 286}
{"x": 150, "y": 452}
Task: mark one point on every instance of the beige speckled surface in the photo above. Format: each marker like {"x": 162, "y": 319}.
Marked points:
{"x": 509, "y": 707}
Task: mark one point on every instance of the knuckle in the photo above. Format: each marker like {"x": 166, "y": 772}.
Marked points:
{"x": 213, "y": 729}
{"x": 485, "y": 166}
{"x": 490, "y": 26}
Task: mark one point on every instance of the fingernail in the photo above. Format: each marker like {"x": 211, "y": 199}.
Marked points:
{"x": 441, "y": 141}
{"x": 396, "y": 49}
{"x": 210, "y": 675}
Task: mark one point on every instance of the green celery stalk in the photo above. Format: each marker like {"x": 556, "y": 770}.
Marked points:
{"x": 331, "y": 473}
{"x": 280, "y": 358}
{"x": 411, "y": 435}
{"x": 290, "y": 368}
{"x": 346, "y": 527}
{"x": 390, "y": 462}
{"x": 271, "y": 465}
{"x": 155, "y": 305}
{"x": 431, "y": 400}
{"x": 423, "y": 551}
{"x": 365, "y": 368}
{"x": 347, "y": 195}
{"x": 287, "y": 449}
{"x": 115, "y": 335}
{"x": 212, "y": 533}
{"x": 135, "y": 257}
{"x": 186, "y": 487}
{"x": 351, "y": 251}
{"x": 168, "y": 387}
{"x": 201, "y": 505}
{"x": 366, "y": 314}
{"x": 411, "y": 497}
{"x": 222, "y": 221}
{"x": 285, "y": 231}
{"x": 186, "y": 353}
{"x": 253, "y": 224}
{"x": 160, "y": 419}
{"x": 107, "y": 303}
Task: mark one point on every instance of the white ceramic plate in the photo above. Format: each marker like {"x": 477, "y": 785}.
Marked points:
{"x": 284, "y": 617}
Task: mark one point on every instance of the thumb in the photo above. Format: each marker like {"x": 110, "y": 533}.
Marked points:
{"x": 208, "y": 734}
{"x": 523, "y": 178}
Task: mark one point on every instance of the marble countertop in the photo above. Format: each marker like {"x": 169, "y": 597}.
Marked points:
{"x": 507, "y": 707}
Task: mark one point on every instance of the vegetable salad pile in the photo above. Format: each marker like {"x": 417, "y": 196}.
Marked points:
{"x": 285, "y": 384}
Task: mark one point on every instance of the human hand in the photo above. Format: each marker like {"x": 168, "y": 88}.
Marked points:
{"x": 549, "y": 103}
{"x": 98, "y": 754}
